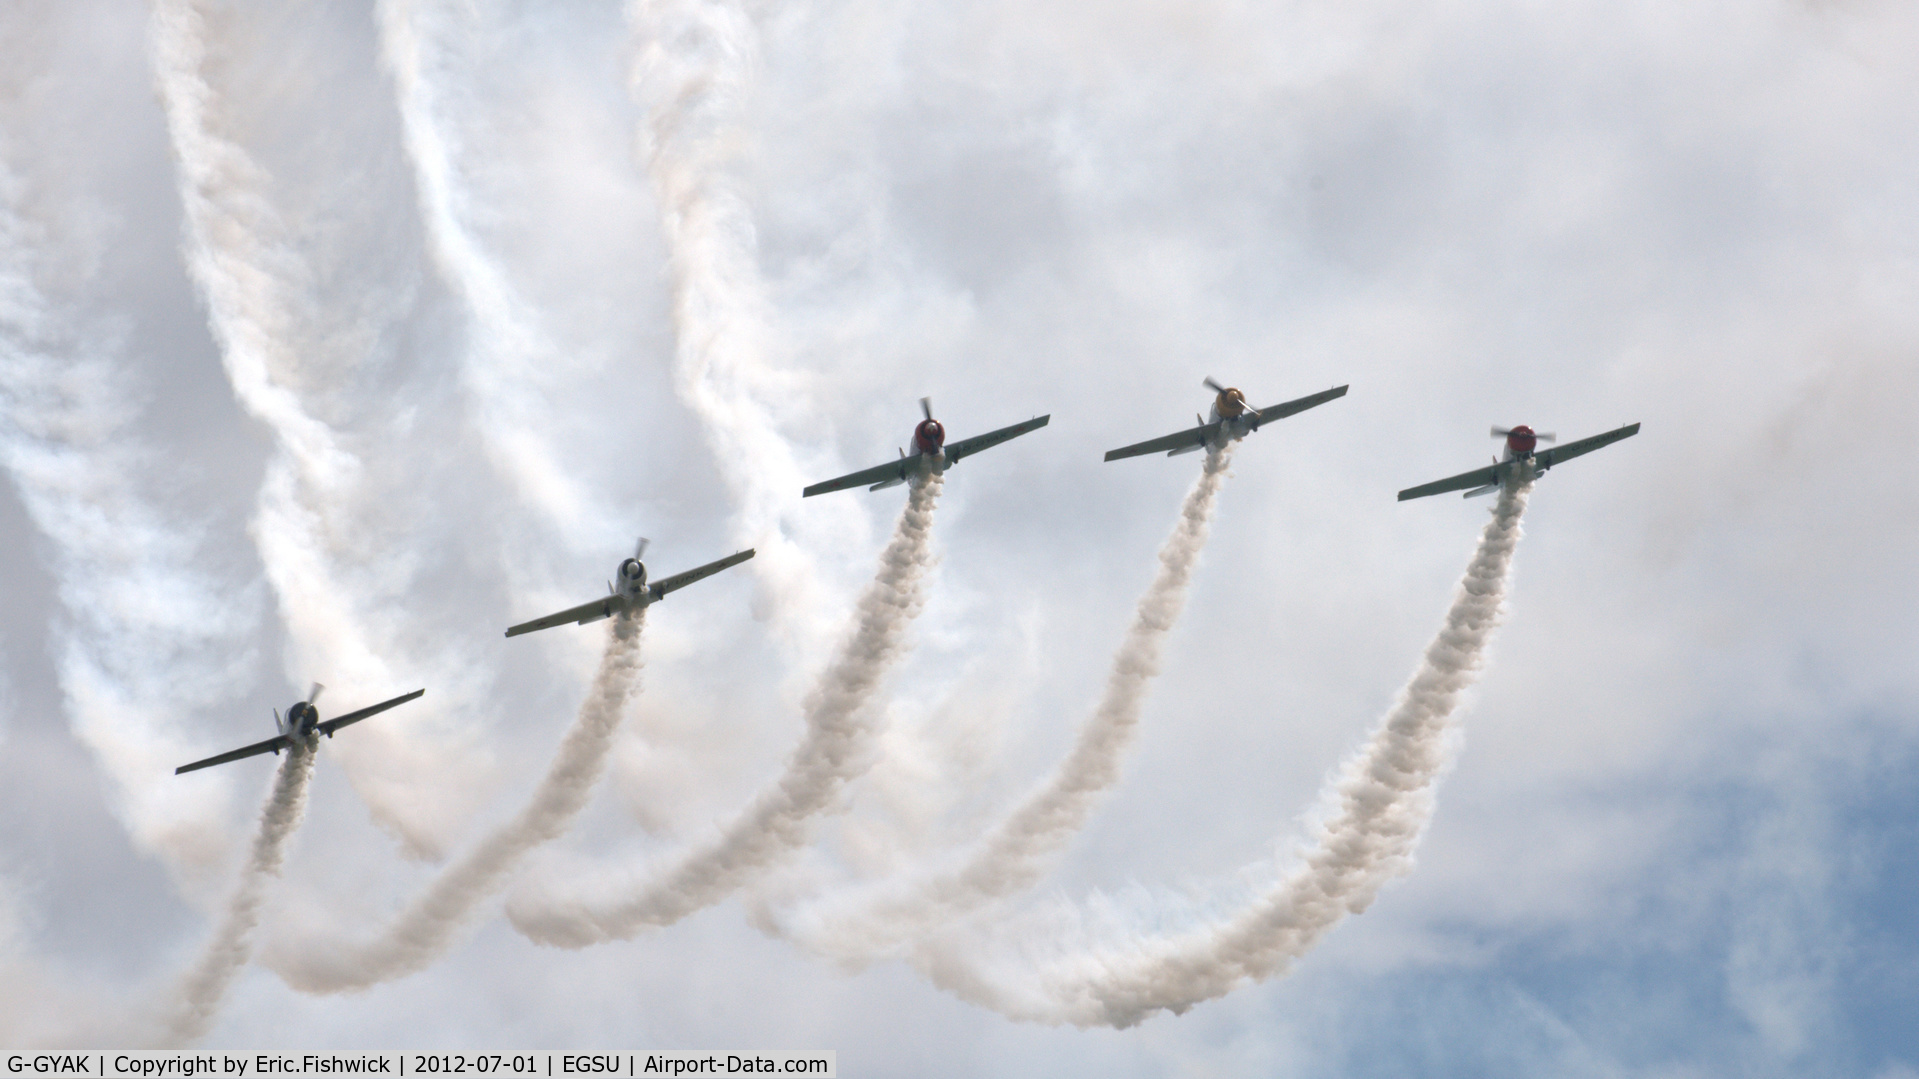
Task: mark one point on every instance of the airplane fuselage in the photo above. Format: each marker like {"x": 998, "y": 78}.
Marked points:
{"x": 928, "y": 457}
{"x": 1234, "y": 418}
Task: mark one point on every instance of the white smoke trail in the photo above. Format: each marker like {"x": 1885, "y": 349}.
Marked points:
{"x": 1379, "y": 807}
{"x": 206, "y": 984}
{"x": 509, "y": 360}
{"x": 427, "y": 928}
{"x": 835, "y": 750}
{"x": 257, "y": 292}
{"x": 691, "y": 74}
{"x": 153, "y": 631}
{"x": 869, "y": 923}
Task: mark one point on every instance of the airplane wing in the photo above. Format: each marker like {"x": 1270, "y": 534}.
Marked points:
{"x": 967, "y": 447}
{"x": 1478, "y": 477}
{"x": 1280, "y": 412}
{"x": 894, "y": 471}
{"x": 1193, "y": 438}
{"x": 1545, "y": 459}
{"x": 604, "y": 607}
{"x": 272, "y": 745}
{"x": 664, "y": 585}
{"x": 329, "y": 726}
{"x": 1196, "y": 437}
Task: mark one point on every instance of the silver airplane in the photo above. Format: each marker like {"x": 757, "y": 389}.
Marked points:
{"x": 301, "y": 725}
{"x": 633, "y": 593}
{"x": 1232, "y": 418}
{"x": 1522, "y": 444}
{"x": 931, "y": 454}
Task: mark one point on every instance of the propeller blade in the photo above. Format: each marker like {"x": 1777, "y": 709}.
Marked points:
{"x": 926, "y": 406}
{"x": 314, "y": 693}
{"x": 639, "y": 549}
{"x": 1543, "y": 436}
{"x": 1214, "y": 386}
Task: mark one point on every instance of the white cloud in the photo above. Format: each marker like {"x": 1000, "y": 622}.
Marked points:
{"x": 1701, "y": 218}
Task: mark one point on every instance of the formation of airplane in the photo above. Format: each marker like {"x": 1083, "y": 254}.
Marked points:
{"x": 301, "y": 725}
{"x": 1522, "y": 444}
{"x": 633, "y": 593}
{"x": 930, "y": 457}
{"x": 1231, "y": 419}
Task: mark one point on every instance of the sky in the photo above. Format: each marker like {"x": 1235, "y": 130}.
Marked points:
{"x": 335, "y": 338}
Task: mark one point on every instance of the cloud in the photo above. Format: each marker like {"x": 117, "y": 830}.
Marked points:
{"x": 1699, "y": 218}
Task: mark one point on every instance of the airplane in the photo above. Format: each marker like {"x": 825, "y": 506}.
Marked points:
{"x": 1232, "y": 419}
{"x": 1521, "y": 443}
{"x": 930, "y": 457}
{"x": 632, "y": 595}
{"x": 301, "y": 725}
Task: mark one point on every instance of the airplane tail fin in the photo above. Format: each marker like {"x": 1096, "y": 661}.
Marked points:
{"x": 279, "y": 724}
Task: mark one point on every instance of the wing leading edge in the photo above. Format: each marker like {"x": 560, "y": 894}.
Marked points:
{"x": 967, "y": 447}
{"x": 890, "y": 473}
{"x": 1189, "y": 439}
{"x": 1559, "y": 454}
{"x": 664, "y": 585}
{"x": 604, "y": 607}
{"x": 271, "y": 745}
{"x": 1478, "y": 477}
{"x": 1311, "y": 400}
{"x": 327, "y": 727}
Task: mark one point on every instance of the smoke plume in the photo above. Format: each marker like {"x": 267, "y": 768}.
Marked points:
{"x": 153, "y": 630}
{"x": 1377, "y": 810}
{"x": 508, "y": 357}
{"x": 875, "y": 922}
{"x": 428, "y": 927}
{"x": 258, "y": 293}
{"x": 206, "y": 984}
{"x": 691, "y": 74}
{"x": 834, "y": 751}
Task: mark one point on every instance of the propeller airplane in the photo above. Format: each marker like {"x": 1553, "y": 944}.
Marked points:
{"x": 1522, "y": 444}
{"x": 931, "y": 454}
{"x": 302, "y": 726}
{"x": 1232, "y": 419}
{"x": 632, "y": 594}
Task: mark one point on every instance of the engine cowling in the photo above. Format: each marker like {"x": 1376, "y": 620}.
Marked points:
{"x": 301, "y": 719}
{"x": 929, "y": 436}
{"x": 1231, "y": 404}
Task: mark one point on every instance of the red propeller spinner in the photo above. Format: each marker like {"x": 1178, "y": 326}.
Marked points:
{"x": 929, "y": 436}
